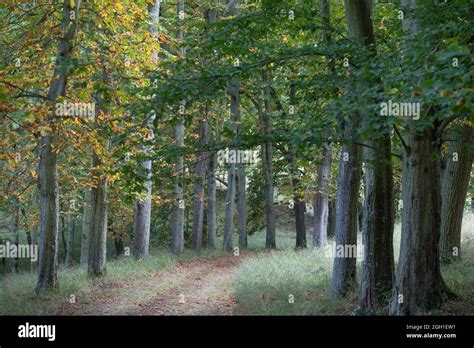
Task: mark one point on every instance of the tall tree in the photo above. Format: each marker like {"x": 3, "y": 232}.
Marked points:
{"x": 241, "y": 204}
{"x": 267, "y": 162}
{"x": 321, "y": 204}
{"x": 211, "y": 177}
{"x": 47, "y": 167}
{"x": 419, "y": 285}
{"x": 234, "y": 92}
{"x": 344, "y": 268}
{"x": 378, "y": 215}
{"x": 142, "y": 217}
{"x": 200, "y": 182}
{"x": 177, "y": 223}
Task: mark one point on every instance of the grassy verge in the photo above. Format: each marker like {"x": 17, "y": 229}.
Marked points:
{"x": 266, "y": 285}
{"x": 17, "y": 296}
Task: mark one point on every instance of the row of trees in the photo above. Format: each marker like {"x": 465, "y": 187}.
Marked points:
{"x": 300, "y": 81}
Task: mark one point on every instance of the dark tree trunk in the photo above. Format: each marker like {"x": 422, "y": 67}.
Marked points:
{"x": 299, "y": 206}
{"x": 419, "y": 285}
{"x": 211, "y": 201}
{"x": 331, "y": 219}
{"x": 199, "y": 186}
{"x": 241, "y": 204}
{"x": 49, "y": 217}
{"x": 98, "y": 237}
{"x": 267, "y": 163}
{"x": 378, "y": 221}
{"x": 453, "y": 192}
{"x": 70, "y": 241}
{"x": 86, "y": 228}
{"x": 377, "y": 217}
{"x": 321, "y": 206}
{"x": 15, "y": 229}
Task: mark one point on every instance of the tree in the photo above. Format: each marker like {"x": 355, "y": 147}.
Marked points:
{"x": 419, "y": 285}
{"x": 142, "y": 218}
{"x": 348, "y": 182}
{"x": 321, "y": 204}
{"x": 86, "y": 228}
{"x": 454, "y": 190}
{"x": 267, "y": 158}
{"x": 200, "y": 183}
{"x": 47, "y": 167}
{"x": 177, "y": 231}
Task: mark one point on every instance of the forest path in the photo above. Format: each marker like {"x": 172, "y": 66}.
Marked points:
{"x": 202, "y": 286}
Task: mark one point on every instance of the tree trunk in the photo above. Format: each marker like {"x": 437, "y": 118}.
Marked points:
{"x": 377, "y": 218}
{"x": 98, "y": 237}
{"x": 177, "y": 229}
{"x": 47, "y": 167}
{"x": 378, "y": 221}
{"x": 211, "y": 201}
{"x": 419, "y": 285}
{"x": 142, "y": 217}
{"x": 211, "y": 178}
{"x": 454, "y": 191}
{"x": 267, "y": 164}
{"x": 241, "y": 204}
{"x": 49, "y": 217}
{"x": 86, "y": 228}
{"x": 331, "y": 219}
{"x": 70, "y": 241}
{"x": 321, "y": 205}
{"x": 344, "y": 268}
{"x": 234, "y": 92}
{"x": 299, "y": 206}
{"x": 199, "y": 185}
{"x": 16, "y": 233}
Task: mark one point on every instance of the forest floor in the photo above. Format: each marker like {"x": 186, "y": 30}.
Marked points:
{"x": 215, "y": 282}
{"x": 201, "y": 286}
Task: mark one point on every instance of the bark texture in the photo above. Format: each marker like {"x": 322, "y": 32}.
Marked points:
{"x": 454, "y": 191}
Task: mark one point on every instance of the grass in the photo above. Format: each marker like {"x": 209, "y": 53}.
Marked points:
{"x": 17, "y": 296}
{"x": 264, "y": 284}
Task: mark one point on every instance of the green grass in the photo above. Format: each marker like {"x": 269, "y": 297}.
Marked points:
{"x": 264, "y": 284}
{"x": 17, "y": 296}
